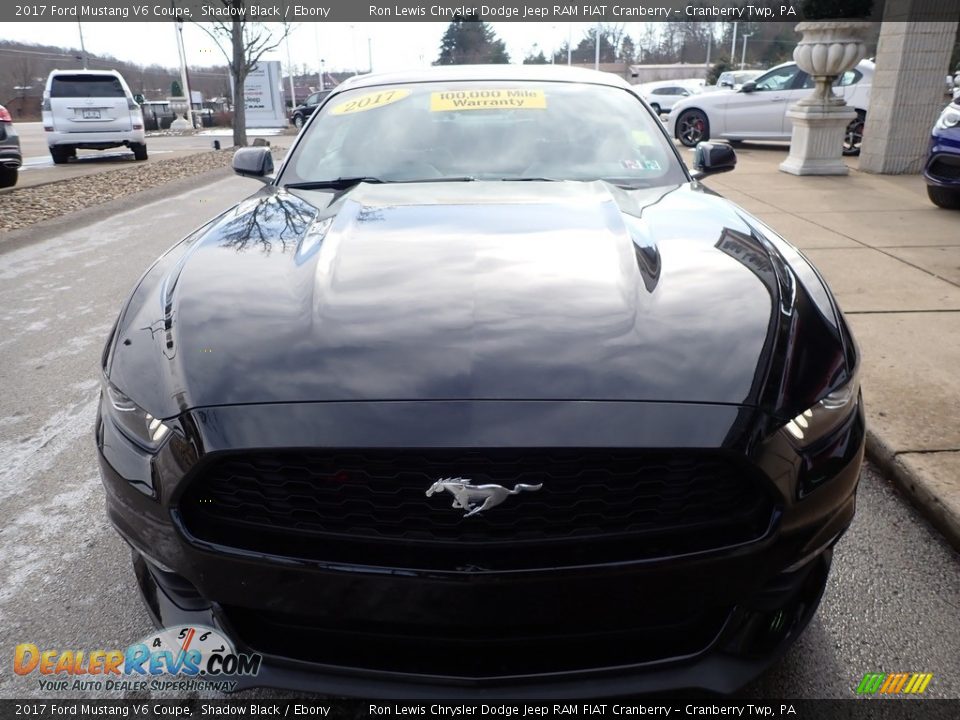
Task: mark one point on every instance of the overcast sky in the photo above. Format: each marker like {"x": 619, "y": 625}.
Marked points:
{"x": 395, "y": 46}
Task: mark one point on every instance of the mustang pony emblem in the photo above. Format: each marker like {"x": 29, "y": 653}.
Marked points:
{"x": 476, "y": 498}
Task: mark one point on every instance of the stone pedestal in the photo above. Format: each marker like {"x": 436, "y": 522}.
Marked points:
{"x": 816, "y": 147}
{"x": 180, "y": 124}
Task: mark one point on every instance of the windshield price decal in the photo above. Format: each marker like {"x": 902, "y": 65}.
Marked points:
{"x": 488, "y": 99}
{"x": 369, "y": 102}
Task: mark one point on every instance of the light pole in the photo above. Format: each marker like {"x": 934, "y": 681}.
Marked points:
{"x": 293, "y": 92}
{"x": 709, "y": 47}
{"x": 322, "y": 73}
{"x": 370, "y": 54}
{"x": 743, "y": 56}
{"x": 569, "y": 43}
{"x": 353, "y": 37}
{"x": 83, "y": 48}
{"x": 596, "y": 55}
{"x": 316, "y": 42}
{"x": 733, "y": 45}
{"x": 183, "y": 72}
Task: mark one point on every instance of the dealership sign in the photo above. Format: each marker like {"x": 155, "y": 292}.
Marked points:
{"x": 263, "y": 96}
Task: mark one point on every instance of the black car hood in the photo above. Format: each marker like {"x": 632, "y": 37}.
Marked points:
{"x": 475, "y": 290}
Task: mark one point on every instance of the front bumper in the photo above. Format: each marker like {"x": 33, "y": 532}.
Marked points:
{"x": 942, "y": 168}
{"x": 710, "y": 620}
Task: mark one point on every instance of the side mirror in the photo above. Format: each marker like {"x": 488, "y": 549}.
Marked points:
{"x": 139, "y": 99}
{"x": 253, "y": 162}
{"x": 748, "y": 87}
{"x": 710, "y": 158}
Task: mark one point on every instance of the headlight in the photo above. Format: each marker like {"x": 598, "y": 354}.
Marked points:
{"x": 133, "y": 421}
{"x": 816, "y": 422}
{"x": 949, "y": 118}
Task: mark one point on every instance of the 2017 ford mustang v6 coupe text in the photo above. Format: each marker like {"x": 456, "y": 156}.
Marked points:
{"x": 484, "y": 395}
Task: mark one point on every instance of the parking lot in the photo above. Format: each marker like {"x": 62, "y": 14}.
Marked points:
{"x": 891, "y": 604}
{"x": 38, "y": 167}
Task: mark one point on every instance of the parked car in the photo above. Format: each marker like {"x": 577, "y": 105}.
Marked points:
{"x": 942, "y": 170}
{"x": 459, "y": 401}
{"x": 157, "y": 114}
{"x": 662, "y": 94}
{"x": 10, "y": 156}
{"x": 734, "y": 79}
{"x": 92, "y": 110}
{"x": 757, "y": 111}
{"x": 301, "y": 112}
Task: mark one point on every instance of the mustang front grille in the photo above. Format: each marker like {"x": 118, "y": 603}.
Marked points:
{"x": 371, "y": 506}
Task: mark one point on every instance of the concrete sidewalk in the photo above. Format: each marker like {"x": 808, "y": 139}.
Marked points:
{"x": 893, "y": 261}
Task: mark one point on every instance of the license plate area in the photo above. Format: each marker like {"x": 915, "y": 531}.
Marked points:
{"x": 91, "y": 114}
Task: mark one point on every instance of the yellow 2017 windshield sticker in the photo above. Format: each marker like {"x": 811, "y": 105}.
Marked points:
{"x": 487, "y": 99}
{"x": 369, "y": 101}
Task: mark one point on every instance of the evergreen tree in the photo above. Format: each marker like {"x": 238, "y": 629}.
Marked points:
{"x": 535, "y": 57}
{"x": 470, "y": 41}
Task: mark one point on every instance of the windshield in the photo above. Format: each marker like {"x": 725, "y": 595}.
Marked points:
{"x": 485, "y": 131}
{"x": 85, "y": 86}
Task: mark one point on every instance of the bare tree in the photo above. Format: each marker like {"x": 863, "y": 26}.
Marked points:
{"x": 242, "y": 43}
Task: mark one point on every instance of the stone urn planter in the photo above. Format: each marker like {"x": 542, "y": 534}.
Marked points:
{"x": 828, "y": 49}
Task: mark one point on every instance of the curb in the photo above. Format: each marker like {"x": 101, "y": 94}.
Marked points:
{"x": 917, "y": 488}
{"x": 45, "y": 229}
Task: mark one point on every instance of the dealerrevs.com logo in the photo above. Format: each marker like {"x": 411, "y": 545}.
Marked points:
{"x": 902, "y": 683}
{"x": 192, "y": 657}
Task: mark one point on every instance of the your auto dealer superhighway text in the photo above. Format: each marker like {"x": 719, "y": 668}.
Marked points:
{"x": 530, "y": 711}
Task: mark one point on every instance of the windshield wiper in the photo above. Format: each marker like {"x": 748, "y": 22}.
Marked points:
{"x": 530, "y": 179}
{"x": 453, "y": 178}
{"x": 340, "y": 183}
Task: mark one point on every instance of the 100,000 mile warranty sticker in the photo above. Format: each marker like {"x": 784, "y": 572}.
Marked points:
{"x": 488, "y": 99}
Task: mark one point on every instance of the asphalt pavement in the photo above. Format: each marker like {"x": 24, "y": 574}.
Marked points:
{"x": 892, "y": 604}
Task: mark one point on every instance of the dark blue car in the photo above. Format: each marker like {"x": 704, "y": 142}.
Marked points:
{"x": 942, "y": 171}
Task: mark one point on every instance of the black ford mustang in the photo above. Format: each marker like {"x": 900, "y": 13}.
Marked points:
{"x": 484, "y": 395}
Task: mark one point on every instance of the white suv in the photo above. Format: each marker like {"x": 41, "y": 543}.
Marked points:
{"x": 90, "y": 109}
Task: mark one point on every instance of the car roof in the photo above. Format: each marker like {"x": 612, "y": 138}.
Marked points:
{"x": 678, "y": 82}
{"x": 541, "y": 73}
{"x": 81, "y": 71}
{"x": 862, "y": 65}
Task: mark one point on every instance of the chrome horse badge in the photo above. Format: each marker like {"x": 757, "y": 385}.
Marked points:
{"x": 476, "y": 498}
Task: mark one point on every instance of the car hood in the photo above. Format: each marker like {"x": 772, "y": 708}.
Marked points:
{"x": 480, "y": 290}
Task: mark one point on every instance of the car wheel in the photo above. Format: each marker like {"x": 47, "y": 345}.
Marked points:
{"x": 854, "y": 134}
{"x": 692, "y": 128}
{"x": 298, "y": 121}
{"x": 948, "y": 198}
{"x": 656, "y": 108}
{"x": 139, "y": 151}
{"x": 61, "y": 155}
{"x": 8, "y": 177}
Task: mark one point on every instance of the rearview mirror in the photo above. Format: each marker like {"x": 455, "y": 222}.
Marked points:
{"x": 748, "y": 87}
{"x": 711, "y": 158}
{"x": 253, "y": 162}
